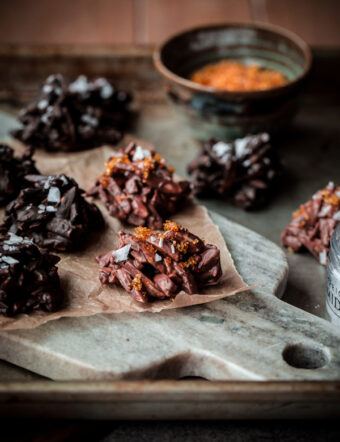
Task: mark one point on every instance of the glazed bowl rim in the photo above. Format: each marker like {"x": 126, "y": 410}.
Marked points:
{"x": 196, "y": 87}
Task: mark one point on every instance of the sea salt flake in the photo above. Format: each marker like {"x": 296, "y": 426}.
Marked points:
{"x": 80, "y": 85}
{"x": 221, "y": 149}
{"x": 323, "y": 257}
{"x": 160, "y": 242}
{"x": 158, "y": 258}
{"x": 42, "y": 104}
{"x": 47, "y": 88}
{"x": 122, "y": 253}
{"x": 336, "y": 215}
{"x": 89, "y": 120}
{"x": 106, "y": 91}
{"x": 53, "y": 195}
{"x": 9, "y": 260}
{"x": 241, "y": 147}
{"x": 153, "y": 238}
{"x": 172, "y": 249}
{"x": 337, "y": 193}
{"x": 324, "y": 211}
{"x": 141, "y": 154}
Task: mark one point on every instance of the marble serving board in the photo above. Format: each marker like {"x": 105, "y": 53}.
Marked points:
{"x": 252, "y": 335}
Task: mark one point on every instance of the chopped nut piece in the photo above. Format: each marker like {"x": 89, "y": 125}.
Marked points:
{"x": 158, "y": 271}
{"x": 138, "y": 187}
{"x": 313, "y": 224}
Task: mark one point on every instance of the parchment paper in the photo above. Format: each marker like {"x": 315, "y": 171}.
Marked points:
{"x": 84, "y": 295}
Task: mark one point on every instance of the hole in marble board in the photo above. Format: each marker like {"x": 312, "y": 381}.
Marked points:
{"x": 305, "y": 356}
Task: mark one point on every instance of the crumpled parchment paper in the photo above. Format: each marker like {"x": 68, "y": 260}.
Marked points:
{"x": 78, "y": 271}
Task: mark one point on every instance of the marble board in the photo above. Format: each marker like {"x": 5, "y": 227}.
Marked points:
{"x": 250, "y": 336}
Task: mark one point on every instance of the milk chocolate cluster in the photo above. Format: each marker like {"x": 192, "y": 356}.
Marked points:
{"x": 157, "y": 265}
{"x": 28, "y": 277}
{"x": 12, "y": 172}
{"x": 74, "y": 116}
{"x": 139, "y": 188}
{"x": 313, "y": 223}
{"x": 52, "y": 212}
{"x": 244, "y": 171}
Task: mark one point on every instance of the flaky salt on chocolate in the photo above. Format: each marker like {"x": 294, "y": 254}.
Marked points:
{"x": 52, "y": 211}
{"x": 139, "y": 188}
{"x": 159, "y": 264}
{"x": 244, "y": 171}
{"x": 28, "y": 277}
{"x": 12, "y": 172}
{"x": 313, "y": 223}
{"x": 74, "y": 116}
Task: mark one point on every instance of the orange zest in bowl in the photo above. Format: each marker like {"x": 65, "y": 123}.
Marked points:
{"x": 234, "y": 76}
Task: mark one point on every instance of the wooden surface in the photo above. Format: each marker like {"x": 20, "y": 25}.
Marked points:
{"x": 150, "y": 21}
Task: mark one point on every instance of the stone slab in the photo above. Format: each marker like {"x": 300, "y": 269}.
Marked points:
{"x": 243, "y": 337}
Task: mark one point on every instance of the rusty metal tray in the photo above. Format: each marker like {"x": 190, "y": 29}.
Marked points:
{"x": 313, "y": 140}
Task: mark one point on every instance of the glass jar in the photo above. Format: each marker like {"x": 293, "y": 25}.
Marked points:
{"x": 333, "y": 278}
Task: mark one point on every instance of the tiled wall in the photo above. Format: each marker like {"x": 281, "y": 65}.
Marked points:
{"x": 150, "y": 21}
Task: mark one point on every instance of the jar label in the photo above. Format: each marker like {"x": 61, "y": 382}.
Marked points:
{"x": 333, "y": 298}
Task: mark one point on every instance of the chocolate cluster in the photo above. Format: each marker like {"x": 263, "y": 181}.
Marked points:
{"x": 74, "y": 116}
{"x": 52, "y": 211}
{"x": 28, "y": 277}
{"x": 12, "y": 172}
{"x": 157, "y": 265}
{"x": 313, "y": 223}
{"x": 244, "y": 171}
{"x": 139, "y": 188}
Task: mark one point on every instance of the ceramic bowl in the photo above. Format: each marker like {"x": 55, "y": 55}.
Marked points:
{"x": 211, "y": 112}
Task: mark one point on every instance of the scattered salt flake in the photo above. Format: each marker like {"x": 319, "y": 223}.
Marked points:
{"x": 9, "y": 260}
{"x": 324, "y": 211}
{"x": 158, "y": 257}
{"x": 47, "y": 88}
{"x": 265, "y": 137}
{"x": 153, "y": 238}
{"x": 323, "y": 257}
{"x": 50, "y": 209}
{"x": 42, "y": 104}
{"x": 9, "y": 248}
{"x": 172, "y": 249}
{"x": 106, "y": 91}
{"x": 160, "y": 242}
{"x": 141, "y": 154}
{"x": 336, "y": 215}
{"x": 330, "y": 185}
{"x": 337, "y": 193}
{"x": 122, "y": 253}
{"x": 79, "y": 85}
{"x": 241, "y": 146}
{"x": 221, "y": 148}
{"x": 53, "y": 195}
{"x": 89, "y": 120}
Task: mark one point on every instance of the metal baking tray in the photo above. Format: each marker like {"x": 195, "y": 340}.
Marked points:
{"x": 313, "y": 140}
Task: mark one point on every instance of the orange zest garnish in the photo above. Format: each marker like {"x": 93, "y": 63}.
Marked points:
{"x": 330, "y": 197}
{"x": 142, "y": 233}
{"x": 136, "y": 283}
{"x": 170, "y": 226}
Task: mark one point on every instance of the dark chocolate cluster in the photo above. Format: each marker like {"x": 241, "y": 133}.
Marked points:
{"x": 74, "y": 116}
{"x": 139, "y": 188}
{"x": 52, "y": 212}
{"x": 13, "y": 171}
{"x": 28, "y": 277}
{"x": 157, "y": 265}
{"x": 244, "y": 171}
{"x": 313, "y": 223}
